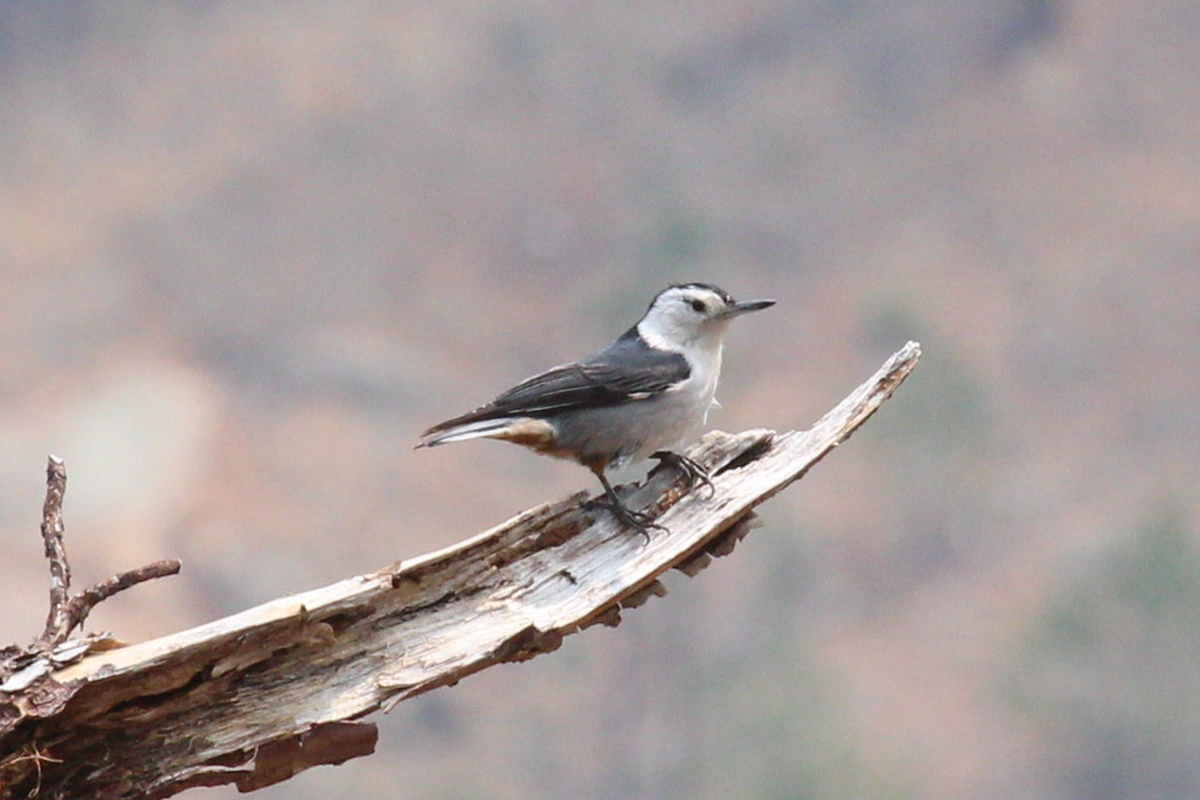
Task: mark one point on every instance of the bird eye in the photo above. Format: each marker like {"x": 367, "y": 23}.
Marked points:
{"x": 698, "y": 306}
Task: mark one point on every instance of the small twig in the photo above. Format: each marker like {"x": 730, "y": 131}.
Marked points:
{"x": 82, "y": 604}
{"x": 66, "y": 612}
{"x": 52, "y": 536}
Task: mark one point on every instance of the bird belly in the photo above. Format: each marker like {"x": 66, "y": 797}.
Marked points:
{"x": 620, "y": 435}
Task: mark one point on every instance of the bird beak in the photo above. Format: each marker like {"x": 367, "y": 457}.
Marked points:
{"x": 746, "y": 306}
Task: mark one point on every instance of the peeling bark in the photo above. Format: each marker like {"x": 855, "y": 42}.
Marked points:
{"x": 254, "y": 698}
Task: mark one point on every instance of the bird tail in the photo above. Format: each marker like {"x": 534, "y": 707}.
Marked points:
{"x": 480, "y": 429}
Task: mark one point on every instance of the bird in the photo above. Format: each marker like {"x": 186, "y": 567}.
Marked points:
{"x": 643, "y": 396}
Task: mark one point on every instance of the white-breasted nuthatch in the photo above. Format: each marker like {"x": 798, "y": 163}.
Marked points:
{"x": 644, "y": 394}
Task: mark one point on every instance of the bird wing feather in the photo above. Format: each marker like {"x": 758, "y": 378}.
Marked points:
{"x": 615, "y": 375}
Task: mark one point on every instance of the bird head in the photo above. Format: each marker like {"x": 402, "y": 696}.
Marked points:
{"x": 683, "y": 315}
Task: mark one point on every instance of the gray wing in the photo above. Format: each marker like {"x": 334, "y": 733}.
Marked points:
{"x": 620, "y": 374}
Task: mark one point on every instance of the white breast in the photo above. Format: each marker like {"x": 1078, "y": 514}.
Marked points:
{"x": 672, "y": 420}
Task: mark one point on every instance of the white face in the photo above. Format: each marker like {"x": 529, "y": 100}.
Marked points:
{"x": 682, "y": 315}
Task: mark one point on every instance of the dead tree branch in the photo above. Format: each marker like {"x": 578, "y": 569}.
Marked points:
{"x": 254, "y": 698}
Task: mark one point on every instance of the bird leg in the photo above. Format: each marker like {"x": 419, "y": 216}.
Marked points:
{"x": 693, "y": 471}
{"x": 639, "y": 520}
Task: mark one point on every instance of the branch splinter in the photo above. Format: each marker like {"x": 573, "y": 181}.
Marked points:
{"x": 56, "y": 553}
{"x": 82, "y": 604}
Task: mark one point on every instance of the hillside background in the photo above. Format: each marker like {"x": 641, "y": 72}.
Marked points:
{"x": 249, "y": 251}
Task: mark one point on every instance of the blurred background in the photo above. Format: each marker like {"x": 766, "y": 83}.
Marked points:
{"x": 249, "y": 251}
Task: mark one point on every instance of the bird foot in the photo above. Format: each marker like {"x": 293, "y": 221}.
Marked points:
{"x": 693, "y": 471}
{"x": 641, "y": 521}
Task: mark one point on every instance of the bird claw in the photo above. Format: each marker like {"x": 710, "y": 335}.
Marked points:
{"x": 641, "y": 521}
{"x": 693, "y": 471}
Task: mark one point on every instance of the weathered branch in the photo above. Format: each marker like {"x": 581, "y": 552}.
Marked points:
{"x": 256, "y": 697}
